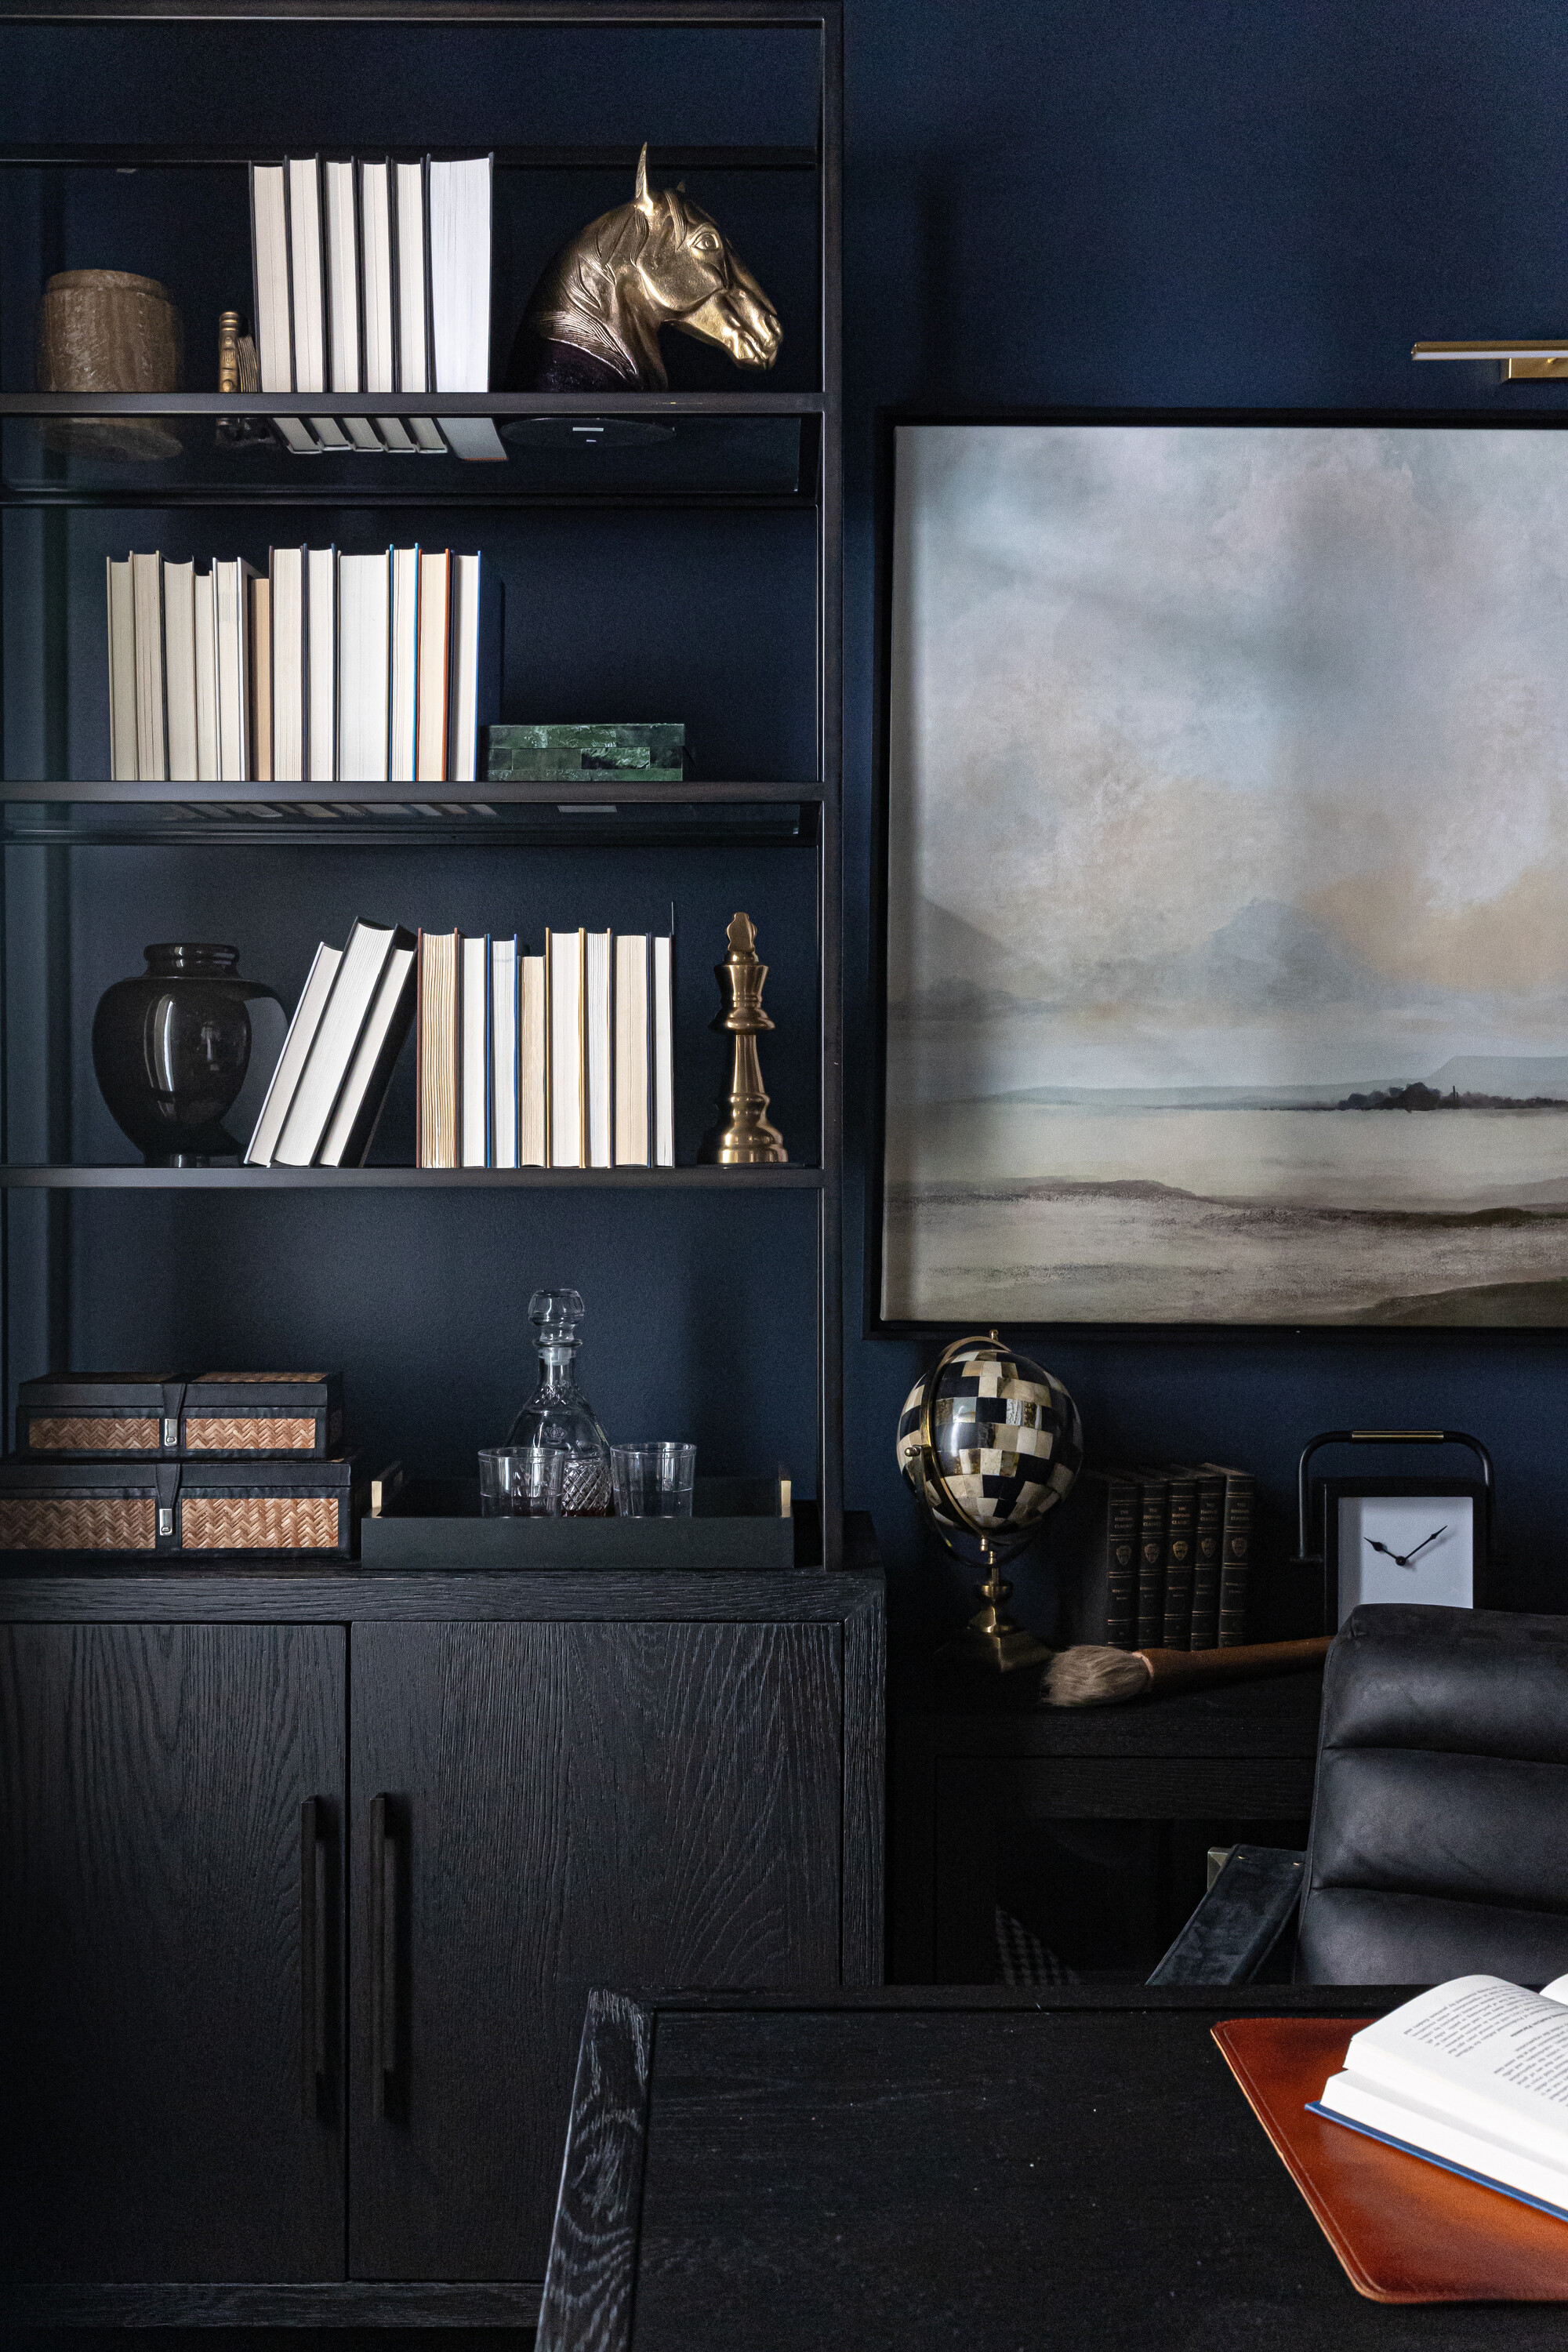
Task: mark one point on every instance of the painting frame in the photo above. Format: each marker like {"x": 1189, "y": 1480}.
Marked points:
{"x": 874, "y": 1322}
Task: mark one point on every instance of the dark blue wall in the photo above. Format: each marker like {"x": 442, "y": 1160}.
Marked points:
{"x": 1205, "y": 203}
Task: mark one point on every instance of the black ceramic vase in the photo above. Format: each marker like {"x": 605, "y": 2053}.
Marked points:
{"x": 171, "y": 1049}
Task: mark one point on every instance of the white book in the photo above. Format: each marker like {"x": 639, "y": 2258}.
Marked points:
{"x": 413, "y": 312}
{"x": 180, "y": 669}
{"x": 404, "y": 711}
{"x": 147, "y": 604}
{"x": 272, "y": 308}
{"x": 503, "y": 1053}
{"x": 459, "y": 196}
{"x": 1470, "y": 2076}
{"x": 122, "y": 673}
{"x": 351, "y": 1130}
{"x": 634, "y": 1051}
{"x": 231, "y": 610}
{"x": 435, "y": 662}
{"x": 321, "y": 663}
{"x": 475, "y": 663}
{"x": 473, "y": 1053}
{"x": 364, "y": 619}
{"x": 308, "y": 292}
{"x": 336, "y": 1042}
{"x": 378, "y": 295}
{"x": 564, "y": 955}
{"x": 260, "y": 640}
{"x": 289, "y": 589}
{"x": 292, "y": 1060}
{"x": 663, "y": 1053}
{"x": 208, "y": 767}
{"x": 599, "y": 1039}
{"x": 340, "y": 209}
{"x": 532, "y": 1063}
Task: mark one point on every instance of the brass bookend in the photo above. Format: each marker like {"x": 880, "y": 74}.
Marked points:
{"x": 745, "y": 1138}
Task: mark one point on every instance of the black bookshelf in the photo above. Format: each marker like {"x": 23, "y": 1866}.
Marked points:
{"x": 771, "y": 457}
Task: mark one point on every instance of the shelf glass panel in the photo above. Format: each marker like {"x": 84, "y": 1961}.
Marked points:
{"x": 228, "y": 1178}
{"x": 702, "y": 459}
{"x": 278, "y": 823}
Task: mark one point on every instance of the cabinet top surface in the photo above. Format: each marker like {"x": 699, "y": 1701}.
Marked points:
{"x": 292, "y": 1592}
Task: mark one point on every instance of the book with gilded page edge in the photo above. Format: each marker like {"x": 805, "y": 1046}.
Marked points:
{"x": 1208, "y": 1540}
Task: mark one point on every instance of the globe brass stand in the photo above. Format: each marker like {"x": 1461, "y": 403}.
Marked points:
{"x": 746, "y": 1139}
{"x": 990, "y": 1638}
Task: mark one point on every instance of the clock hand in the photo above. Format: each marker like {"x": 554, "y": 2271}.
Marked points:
{"x": 1383, "y": 1548}
{"x": 1430, "y": 1540}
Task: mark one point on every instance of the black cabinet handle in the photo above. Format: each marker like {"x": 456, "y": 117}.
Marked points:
{"x": 383, "y": 1954}
{"x": 313, "y": 1909}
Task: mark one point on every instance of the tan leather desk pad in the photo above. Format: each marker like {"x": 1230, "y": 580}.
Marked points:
{"x": 1406, "y": 2231}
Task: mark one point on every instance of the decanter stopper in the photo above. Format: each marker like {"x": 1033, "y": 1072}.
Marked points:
{"x": 745, "y": 1138}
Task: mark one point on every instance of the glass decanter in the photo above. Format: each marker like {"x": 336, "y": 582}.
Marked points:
{"x": 558, "y": 1414}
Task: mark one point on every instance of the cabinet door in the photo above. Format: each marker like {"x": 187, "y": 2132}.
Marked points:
{"x": 169, "y": 1796}
{"x": 537, "y": 1809}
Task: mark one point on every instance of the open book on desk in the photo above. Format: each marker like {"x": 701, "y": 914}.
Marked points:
{"x": 1472, "y": 2075}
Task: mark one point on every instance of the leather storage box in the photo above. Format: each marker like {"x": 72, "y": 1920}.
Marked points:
{"x": 180, "y": 1506}
{"x": 167, "y": 1416}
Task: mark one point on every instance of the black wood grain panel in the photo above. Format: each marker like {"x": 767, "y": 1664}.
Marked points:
{"x": 593, "y": 2248}
{"x": 345, "y": 2302}
{"x": 303, "y": 1595}
{"x": 1130, "y": 1788}
{"x": 150, "y": 2008}
{"x": 956, "y": 1712}
{"x": 933, "y": 2178}
{"x": 572, "y": 1804}
{"x": 865, "y": 1670}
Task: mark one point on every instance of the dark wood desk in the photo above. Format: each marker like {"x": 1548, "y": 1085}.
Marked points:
{"x": 982, "y": 2172}
{"x": 975, "y": 1757}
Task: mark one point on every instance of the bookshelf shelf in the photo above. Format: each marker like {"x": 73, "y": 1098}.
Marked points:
{"x": 15, "y": 1177}
{"x": 655, "y": 406}
{"x": 557, "y": 815}
{"x": 90, "y": 156}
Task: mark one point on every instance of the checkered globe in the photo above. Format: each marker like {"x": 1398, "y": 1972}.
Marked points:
{"x": 1007, "y": 1440}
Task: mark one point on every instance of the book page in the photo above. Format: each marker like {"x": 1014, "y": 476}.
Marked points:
{"x": 1488, "y": 2053}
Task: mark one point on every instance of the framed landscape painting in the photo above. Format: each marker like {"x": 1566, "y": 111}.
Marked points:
{"x": 1227, "y": 873}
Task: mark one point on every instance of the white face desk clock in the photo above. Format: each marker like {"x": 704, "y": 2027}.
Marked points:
{"x": 1403, "y": 1539}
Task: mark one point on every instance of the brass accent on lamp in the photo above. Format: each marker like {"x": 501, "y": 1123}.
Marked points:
{"x": 990, "y": 1638}
{"x": 1518, "y": 359}
{"x": 746, "y": 1139}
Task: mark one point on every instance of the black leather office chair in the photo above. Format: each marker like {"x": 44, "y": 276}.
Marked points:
{"x": 1439, "y": 1838}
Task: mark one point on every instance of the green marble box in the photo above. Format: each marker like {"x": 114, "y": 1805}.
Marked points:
{"x": 556, "y": 753}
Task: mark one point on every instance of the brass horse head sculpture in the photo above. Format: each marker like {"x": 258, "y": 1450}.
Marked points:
{"x": 592, "y": 321}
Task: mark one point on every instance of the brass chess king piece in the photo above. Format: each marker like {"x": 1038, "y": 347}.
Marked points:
{"x": 746, "y": 1139}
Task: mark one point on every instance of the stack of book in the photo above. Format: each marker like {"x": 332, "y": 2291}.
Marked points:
{"x": 1169, "y": 1560}
{"x": 374, "y": 276}
{"x": 559, "y": 1060}
{"x": 347, "y": 669}
{"x": 329, "y": 1083}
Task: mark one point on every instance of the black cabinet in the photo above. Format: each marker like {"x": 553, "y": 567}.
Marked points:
{"x": 169, "y": 1800}
{"x": 298, "y": 1918}
{"x": 539, "y": 1808}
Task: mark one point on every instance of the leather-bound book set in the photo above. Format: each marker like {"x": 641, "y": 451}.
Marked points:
{"x": 150, "y": 1462}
